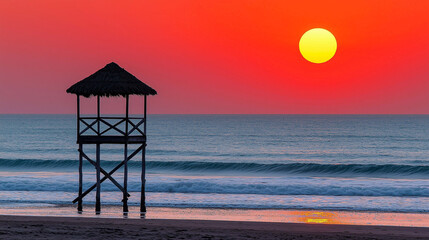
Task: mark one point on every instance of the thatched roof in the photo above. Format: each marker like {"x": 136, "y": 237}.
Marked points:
{"x": 112, "y": 80}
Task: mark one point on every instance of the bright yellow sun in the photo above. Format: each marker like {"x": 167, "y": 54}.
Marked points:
{"x": 318, "y": 45}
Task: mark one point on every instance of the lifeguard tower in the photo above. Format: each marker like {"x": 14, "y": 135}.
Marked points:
{"x": 112, "y": 80}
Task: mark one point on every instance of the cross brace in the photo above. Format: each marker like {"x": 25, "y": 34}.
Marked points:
{"x": 106, "y": 175}
{"x": 103, "y": 171}
{"x": 114, "y": 126}
{"x": 136, "y": 126}
{"x": 89, "y": 126}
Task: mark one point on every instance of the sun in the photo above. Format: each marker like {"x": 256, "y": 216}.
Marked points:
{"x": 318, "y": 45}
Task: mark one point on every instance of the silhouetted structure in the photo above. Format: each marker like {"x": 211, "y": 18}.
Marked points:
{"x": 112, "y": 80}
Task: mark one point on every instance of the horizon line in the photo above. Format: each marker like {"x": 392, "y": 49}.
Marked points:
{"x": 220, "y": 113}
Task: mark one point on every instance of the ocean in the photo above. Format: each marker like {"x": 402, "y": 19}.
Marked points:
{"x": 323, "y": 162}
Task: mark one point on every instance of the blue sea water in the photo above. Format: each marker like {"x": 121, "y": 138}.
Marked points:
{"x": 327, "y": 162}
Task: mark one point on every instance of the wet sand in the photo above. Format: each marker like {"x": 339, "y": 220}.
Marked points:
{"x": 218, "y": 214}
{"x": 30, "y": 227}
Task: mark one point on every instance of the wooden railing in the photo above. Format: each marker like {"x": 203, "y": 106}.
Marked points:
{"x": 93, "y": 126}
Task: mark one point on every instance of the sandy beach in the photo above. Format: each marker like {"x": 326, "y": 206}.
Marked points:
{"x": 30, "y": 227}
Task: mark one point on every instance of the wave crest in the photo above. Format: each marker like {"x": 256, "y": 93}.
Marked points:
{"x": 371, "y": 170}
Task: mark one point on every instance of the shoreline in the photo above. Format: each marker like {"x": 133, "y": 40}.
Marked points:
{"x": 216, "y": 214}
{"x": 27, "y": 227}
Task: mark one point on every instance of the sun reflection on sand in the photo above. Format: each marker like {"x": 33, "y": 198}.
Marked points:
{"x": 316, "y": 217}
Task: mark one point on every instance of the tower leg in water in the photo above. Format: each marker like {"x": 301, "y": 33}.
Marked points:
{"x": 79, "y": 204}
{"x": 97, "y": 196}
{"x": 143, "y": 180}
{"x": 125, "y": 197}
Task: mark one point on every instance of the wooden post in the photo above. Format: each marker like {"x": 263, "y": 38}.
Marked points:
{"x": 125, "y": 197}
{"x": 79, "y": 205}
{"x": 78, "y": 117}
{"x": 97, "y": 196}
{"x": 143, "y": 179}
{"x": 145, "y": 105}
{"x": 143, "y": 176}
{"x": 98, "y": 115}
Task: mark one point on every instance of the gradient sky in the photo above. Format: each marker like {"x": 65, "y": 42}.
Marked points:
{"x": 218, "y": 56}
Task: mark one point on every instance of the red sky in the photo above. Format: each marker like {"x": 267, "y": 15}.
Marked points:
{"x": 218, "y": 56}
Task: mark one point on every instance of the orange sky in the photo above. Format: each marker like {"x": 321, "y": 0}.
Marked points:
{"x": 219, "y": 56}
